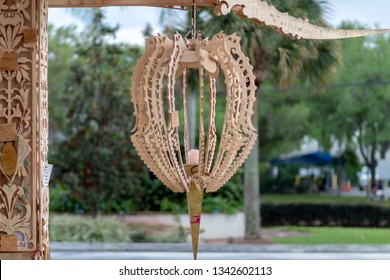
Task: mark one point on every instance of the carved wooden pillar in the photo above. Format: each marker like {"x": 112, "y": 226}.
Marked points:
{"x": 24, "y": 199}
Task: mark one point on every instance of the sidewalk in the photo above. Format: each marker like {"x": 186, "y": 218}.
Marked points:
{"x": 183, "y": 251}
{"x": 239, "y": 248}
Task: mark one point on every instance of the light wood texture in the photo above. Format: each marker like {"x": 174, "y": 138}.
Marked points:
{"x": 24, "y": 201}
{"x": 105, "y": 3}
{"x": 175, "y": 119}
{"x": 194, "y": 201}
{"x": 8, "y": 159}
{"x": 9, "y": 61}
{"x": 7, "y": 132}
{"x": 30, "y": 35}
{"x": 262, "y": 13}
{"x": 13, "y": 256}
{"x": 157, "y": 141}
{"x": 8, "y": 243}
{"x": 42, "y": 116}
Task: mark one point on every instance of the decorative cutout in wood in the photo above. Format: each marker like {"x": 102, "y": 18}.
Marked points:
{"x": 262, "y": 13}
{"x": 24, "y": 201}
{"x": 156, "y": 132}
{"x": 157, "y": 140}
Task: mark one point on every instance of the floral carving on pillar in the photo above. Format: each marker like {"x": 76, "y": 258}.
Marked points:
{"x": 23, "y": 124}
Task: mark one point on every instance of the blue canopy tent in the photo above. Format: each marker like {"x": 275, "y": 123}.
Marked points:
{"x": 304, "y": 159}
{"x": 309, "y": 159}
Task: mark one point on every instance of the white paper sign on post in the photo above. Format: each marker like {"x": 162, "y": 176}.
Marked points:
{"x": 46, "y": 174}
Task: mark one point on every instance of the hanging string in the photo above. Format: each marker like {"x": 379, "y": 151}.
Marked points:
{"x": 193, "y": 19}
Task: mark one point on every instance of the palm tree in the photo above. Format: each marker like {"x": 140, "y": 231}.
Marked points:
{"x": 283, "y": 62}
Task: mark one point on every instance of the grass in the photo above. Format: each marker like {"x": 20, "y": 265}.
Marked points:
{"x": 334, "y": 235}
{"x": 318, "y": 198}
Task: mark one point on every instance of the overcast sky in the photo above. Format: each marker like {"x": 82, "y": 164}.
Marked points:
{"x": 132, "y": 20}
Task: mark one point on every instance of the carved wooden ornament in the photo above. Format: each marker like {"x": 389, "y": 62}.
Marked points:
{"x": 156, "y": 132}
{"x": 262, "y": 13}
{"x": 24, "y": 200}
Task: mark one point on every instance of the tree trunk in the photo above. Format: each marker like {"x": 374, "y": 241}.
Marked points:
{"x": 372, "y": 184}
{"x": 252, "y": 190}
{"x": 372, "y": 165}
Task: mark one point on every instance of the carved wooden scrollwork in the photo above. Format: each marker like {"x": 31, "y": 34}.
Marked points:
{"x": 262, "y": 13}
{"x": 16, "y": 189}
{"x": 156, "y": 134}
{"x": 23, "y": 128}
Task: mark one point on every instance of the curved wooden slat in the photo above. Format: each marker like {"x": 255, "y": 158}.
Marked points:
{"x": 262, "y": 13}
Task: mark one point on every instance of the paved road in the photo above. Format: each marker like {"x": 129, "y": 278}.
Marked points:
{"x": 165, "y": 251}
{"x": 357, "y": 192}
{"x": 216, "y": 256}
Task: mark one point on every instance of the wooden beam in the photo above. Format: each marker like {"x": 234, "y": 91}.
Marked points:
{"x": 107, "y": 3}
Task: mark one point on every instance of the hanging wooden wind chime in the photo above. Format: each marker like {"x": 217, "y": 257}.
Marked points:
{"x": 156, "y": 132}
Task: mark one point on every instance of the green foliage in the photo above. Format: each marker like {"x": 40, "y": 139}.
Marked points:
{"x": 356, "y": 110}
{"x": 95, "y": 159}
{"x": 142, "y": 235}
{"x": 158, "y": 197}
{"x": 334, "y": 235}
{"x": 62, "y": 43}
{"x": 323, "y": 214}
{"x": 349, "y": 164}
{"x": 87, "y": 230}
{"x": 227, "y": 200}
{"x": 60, "y": 200}
{"x": 283, "y": 183}
{"x": 167, "y": 205}
{"x": 110, "y": 229}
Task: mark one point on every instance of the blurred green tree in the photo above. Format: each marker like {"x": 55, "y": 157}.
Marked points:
{"x": 96, "y": 160}
{"x": 62, "y": 43}
{"x": 356, "y": 109}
